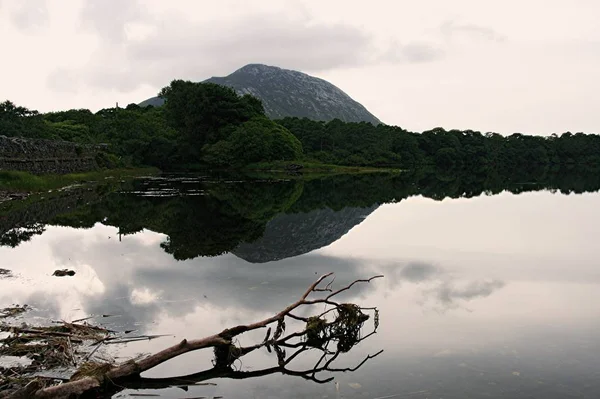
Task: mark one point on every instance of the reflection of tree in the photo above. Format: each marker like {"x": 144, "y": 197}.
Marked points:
{"x": 211, "y": 218}
{"x": 323, "y": 365}
{"x": 16, "y": 236}
{"x": 201, "y": 226}
{"x": 331, "y": 339}
{"x": 196, "y": 225}
{"x": 259, "y": 201}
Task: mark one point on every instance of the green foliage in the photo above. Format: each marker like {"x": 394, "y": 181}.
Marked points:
{"x": 198, "y": 111}
{"x": 446, "y": 158}
{"x": 69, "y": 131}
{"x": 20, "y": 121}
{"x": 138, "y": 137}
{"x": 106, "y": 160}
{"x": 204, "y": 125}
{"x": 367, "y": 145}
{"x": 258, "y": 139}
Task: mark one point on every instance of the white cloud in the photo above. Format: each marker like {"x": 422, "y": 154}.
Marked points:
{"x": 452, "y": 29}
{"x": 509, "y": 66}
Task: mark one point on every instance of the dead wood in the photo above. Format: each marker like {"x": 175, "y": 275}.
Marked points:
{"x": 344, "y": 331}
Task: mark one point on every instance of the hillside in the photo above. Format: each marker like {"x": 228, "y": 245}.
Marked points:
{"x": 291, "y": 93}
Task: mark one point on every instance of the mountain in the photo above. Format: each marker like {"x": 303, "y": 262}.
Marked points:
{"x": 290, "y": 93}
{"x": 288, "y": 235}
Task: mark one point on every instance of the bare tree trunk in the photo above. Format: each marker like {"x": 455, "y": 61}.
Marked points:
{"x": 345, "y": 327}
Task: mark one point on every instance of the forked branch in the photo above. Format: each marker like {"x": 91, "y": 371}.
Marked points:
{"x": 344, "y": 331}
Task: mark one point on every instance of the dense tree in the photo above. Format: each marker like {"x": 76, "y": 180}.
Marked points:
{"x": 206, "y": 125}
{"x": 199, "y": 111}
{"x": 364, "y": 144}
{"x": 20, "y": 121}
{"x": 257, "y": 140}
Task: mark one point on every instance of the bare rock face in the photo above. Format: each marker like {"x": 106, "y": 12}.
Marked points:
{"x": 291, "y": 93}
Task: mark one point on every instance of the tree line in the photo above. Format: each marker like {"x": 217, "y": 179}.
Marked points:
{"x": 203, "y": 124}
{"x": 368, "y": 145}
{"x": 208, "y": 125}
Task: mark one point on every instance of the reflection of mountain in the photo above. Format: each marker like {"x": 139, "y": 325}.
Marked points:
{"x": 258, "y": 220}
{"x": 288, "y": 235}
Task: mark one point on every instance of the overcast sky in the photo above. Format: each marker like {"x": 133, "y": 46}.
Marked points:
{"x": 507, "y": 66}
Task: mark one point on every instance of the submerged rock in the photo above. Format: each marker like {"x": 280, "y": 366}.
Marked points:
{"x": 63, "y": 273}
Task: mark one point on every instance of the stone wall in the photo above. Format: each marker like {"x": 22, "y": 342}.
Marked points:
{"x": 45, "y": 156}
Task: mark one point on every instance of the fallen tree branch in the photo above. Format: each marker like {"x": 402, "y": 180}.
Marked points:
{"x": 319, "y": 333}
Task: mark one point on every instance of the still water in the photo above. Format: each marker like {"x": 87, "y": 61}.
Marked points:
{"x": 490, "y": 290}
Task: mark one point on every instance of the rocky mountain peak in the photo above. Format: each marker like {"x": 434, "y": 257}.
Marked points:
{"x": 286, "y": 92}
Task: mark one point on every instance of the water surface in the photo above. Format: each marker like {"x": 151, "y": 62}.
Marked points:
{"x": 490, "y": 290}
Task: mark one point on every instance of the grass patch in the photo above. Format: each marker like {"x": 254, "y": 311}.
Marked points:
{"x": 14, "y": 181}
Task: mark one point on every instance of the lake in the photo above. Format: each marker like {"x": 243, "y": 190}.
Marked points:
{"x": 491, "y": 287}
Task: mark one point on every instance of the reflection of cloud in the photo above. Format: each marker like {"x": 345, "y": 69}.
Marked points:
{"x": 449, "y": 294}
{"x": 440, "y": 289}
{"x": 126, "y": 312}
{"x": 412, "y": 272}
{"x": 417, "y": 272}
{"x": 141, "y": 281}
{"x": 41, "y": 305}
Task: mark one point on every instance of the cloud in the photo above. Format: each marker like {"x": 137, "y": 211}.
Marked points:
{"x": 139, "y": 48}
{"x": 61, "y": 79}
{"x": 109, "y": 18}
{"x": 451, "y": 29}
{"x": 28, "y": 16}
{"x": 416, "y": 52}
{"x": 136, "y": 49}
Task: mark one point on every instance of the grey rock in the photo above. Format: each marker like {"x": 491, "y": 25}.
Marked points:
{"x": 290, "y": 93}
{"x": 63, "y": 273}
{"x": 46, "y": 156}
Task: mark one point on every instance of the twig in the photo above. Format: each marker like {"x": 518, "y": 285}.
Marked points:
{"x": 352, "y": 284}
{"x": 72, "y": 352}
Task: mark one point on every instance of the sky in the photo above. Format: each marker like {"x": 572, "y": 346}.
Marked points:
{"x": 505, "y": 66}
